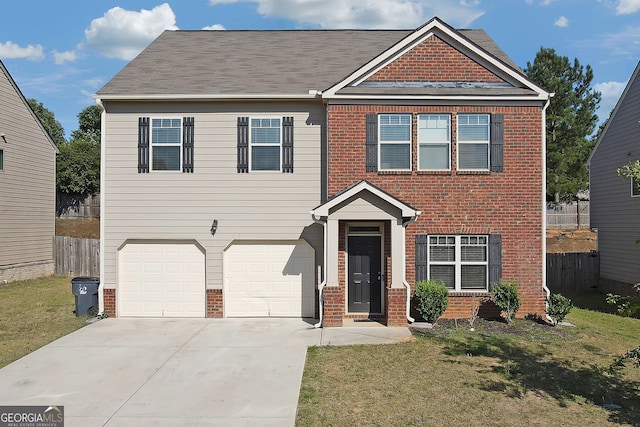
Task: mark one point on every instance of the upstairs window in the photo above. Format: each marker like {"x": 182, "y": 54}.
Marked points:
{"x": 166, "y": 144}
{"x": 265, "y": 144}
{"x": 434, "y": 142}
{"x": 635, "y": 184}
{"x": 395, "y": 141}
{"x": 473, "y": 142}
{"x": 1, "y": 160}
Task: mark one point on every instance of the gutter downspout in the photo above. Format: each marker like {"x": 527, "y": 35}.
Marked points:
{"x": 324, "y": 269}
{"x": 103, "y": 149}
{"x": 404, "y": 263}
{"x": 544, "y": 203}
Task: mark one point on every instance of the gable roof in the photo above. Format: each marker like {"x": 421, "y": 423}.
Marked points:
{"x": 634, "y": 77}
{"x": 356, "y": 189}
{"x": 265, "y": 64}
{"x": 12, "y": 83}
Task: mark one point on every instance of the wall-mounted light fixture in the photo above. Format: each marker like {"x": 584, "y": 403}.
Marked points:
{"x": 214, "y": 227}
{"x": 4, "y": 137}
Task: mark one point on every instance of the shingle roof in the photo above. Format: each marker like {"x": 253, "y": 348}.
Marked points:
{"x": 284, "y": 62}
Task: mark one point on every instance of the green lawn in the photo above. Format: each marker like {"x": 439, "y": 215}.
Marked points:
{"x": 538, "y": 376}
{"x": 34, "y": 313}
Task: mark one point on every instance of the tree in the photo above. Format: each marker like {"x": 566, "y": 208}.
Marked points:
{"x": 88, "y": 125}
{"x": 49, "y": 122}
{"x": 78, "y": 165}
{"x": 78, "y": 168}
{"x": 571, "y": 119}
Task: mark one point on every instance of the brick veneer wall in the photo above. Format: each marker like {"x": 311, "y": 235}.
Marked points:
{"x": 214, "y": 303}
{"x": 396, "y": 306}
{"x": 508, "y": 203}
{"x": 333, "y": 304}
{"x": 110, "y": 302}
{"x": 433, "y": 60}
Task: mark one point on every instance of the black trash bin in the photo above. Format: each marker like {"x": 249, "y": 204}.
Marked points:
{"x": 85, "y": 290}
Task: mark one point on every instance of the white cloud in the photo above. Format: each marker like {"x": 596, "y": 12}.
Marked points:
{"x": 124, "y": 33}
{"x": 540, "y": 2}
{"x": 214, "y": 27}
{"x": 623, "y": 43}
{"x": 10, "y": 50}
{"x": 62, "y": 57}
{"x": 628, "y": 6}
{"x": 561, "y": 22}
{"x": 610, "y": 92}
{"x": 370, "y": 14}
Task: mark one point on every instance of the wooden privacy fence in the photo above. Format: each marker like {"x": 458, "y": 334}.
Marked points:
{"x": 76, "y": 257}
{"x": 572, "y": 272}
{"x": 568, "y": 215}
{"x": 68, "y": 206}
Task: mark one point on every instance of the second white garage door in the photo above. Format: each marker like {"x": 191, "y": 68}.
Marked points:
{"x": 264, "y": 279}
{"x": 161, "y": 280}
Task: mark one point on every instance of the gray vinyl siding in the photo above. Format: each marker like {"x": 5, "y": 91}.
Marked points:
{"x": 181, "y": 206}
{"x": 27, "y": 182}
{"x": 614, "y": 212}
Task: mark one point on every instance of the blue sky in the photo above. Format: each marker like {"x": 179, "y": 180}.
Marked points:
{"x": 62, "y": 52}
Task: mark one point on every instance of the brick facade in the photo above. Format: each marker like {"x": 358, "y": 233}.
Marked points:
{"x": 110, "y": 302}
{"x": 508, "y": 203}
{"x": 214, "y": 303}
{"x": 26, "y": 271}
{"x": 434, "y": 60}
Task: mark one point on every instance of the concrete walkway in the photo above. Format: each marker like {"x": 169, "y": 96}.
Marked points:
{"x": 177, "y": 372}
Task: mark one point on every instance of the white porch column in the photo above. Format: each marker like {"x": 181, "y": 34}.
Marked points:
{"x": 332, "y": 252}
{"x": 397, "y": 254}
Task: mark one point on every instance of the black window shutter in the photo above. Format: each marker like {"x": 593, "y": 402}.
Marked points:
{"x": 287, "y": 144}
{"x": 187, "y": 144}
{"x": 497, "y": 142}
{"x": 372, "y": 143}
{"x": 143, "y": 145}
{"x": 243, "y": 144}
{"x": 421, "y": 257}
{"x": 495, "y": 259}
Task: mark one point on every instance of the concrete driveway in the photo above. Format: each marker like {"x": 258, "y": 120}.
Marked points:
{"x": 177, "y": 372}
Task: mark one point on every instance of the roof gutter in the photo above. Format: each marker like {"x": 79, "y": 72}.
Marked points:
{"x": 312, "y": 94}
{"x": 103, "y": 150}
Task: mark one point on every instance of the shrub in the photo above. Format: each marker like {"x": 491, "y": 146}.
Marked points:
{"x": 627, "y": 306}
{"x": 507, "y": 299}
{"x": 432, "y": 299}
{"x": 558, "y": 307}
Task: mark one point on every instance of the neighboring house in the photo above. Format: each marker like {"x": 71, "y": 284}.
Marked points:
{"x": 27, "y": 188}
{"x": 615, "y": 201}
{"x": 337, "y": 168}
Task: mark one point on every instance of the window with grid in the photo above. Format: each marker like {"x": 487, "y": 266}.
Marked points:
{"x": 265, "y": 143}
{"x": 473, "y": 142}
{"x": 394, "y": 135}
{"x": 166, "y": 147}
{"x": 635, "y": 187}
{"x": 460, "y": 262}
{"x": 434, "y": 142}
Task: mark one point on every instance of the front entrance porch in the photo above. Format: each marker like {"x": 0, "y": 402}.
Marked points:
{"x": 365, "y": 256}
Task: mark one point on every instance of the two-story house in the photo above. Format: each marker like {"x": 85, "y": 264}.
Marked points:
{"x": 320, "y": 174}
{"x": 27, "y": 188}
{"x": 615, "y": 201}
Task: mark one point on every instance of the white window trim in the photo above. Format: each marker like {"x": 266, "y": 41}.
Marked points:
{"x": 488, "y": 143}
{"x": 279, "y": 145}
{"x": 632, "y": 188}
{"x": 435, "y": 143}
{"x": 152, "y": 145}
{"x": 458, "y": 263}
{"x": 408, "y": 142}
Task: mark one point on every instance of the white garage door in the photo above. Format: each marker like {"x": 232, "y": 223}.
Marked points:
{"x": 161, "y": 280}
{"x": 269, "y": 279}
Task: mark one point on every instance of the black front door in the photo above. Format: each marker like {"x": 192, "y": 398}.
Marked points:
{"x": 364, "y": 274}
